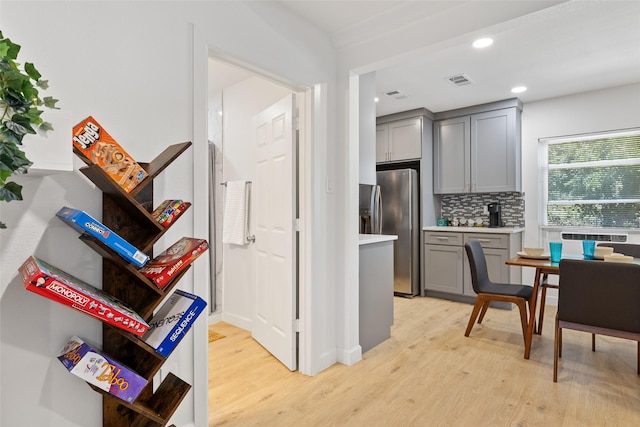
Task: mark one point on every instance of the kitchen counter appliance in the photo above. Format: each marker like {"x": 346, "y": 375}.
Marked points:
{"x": 495, "y": 215}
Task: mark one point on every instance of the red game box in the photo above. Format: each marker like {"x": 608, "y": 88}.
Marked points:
{"x": 51, "y": 282}
{"x": 97, "y": 147}
{"x": 176, "y": 258}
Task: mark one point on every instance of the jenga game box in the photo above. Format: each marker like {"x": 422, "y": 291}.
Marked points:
{"x": 51, "y": 282}
{"x": 96, "y": 147}
{"x": 84, "y": 360}
{"x": 163, "y": 268}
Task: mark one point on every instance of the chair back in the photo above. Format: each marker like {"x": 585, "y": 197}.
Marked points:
{"x": 478, "y": 265}
{"x": 624, "y": 248}
{"x": 601, "y": 294}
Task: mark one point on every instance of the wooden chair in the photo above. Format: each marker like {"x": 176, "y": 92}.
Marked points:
{"x": 597, "y": 297}
{"x": 488, "y": 291}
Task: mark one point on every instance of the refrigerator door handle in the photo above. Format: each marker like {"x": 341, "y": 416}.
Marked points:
{"x": 376, "y": 210}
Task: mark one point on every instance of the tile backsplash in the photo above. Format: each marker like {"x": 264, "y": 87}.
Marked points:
{"x": 471, "y": 206}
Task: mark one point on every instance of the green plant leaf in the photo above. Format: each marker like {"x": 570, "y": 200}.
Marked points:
{"x": 12, "y": 49}
{"x": 19, "y": 125}
{"x": 8, "y": 137}
{"x": 16, "y": 100}
{"x": 11, "y": 191}
{"x": 50, "y": 102}
{"x": 31, "y": 71}
{"x": 4, "y": 49}
{"x": 43, "y": 84}
{"x": 45, "y": 127}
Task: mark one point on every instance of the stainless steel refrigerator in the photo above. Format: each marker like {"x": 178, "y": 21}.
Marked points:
{"x": 400, "y": 216}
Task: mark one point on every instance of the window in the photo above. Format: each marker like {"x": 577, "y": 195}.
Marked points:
{"x": 591, "y": 180}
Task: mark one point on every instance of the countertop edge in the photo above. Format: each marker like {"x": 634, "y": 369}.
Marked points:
{"x": 499, "y": 230}
{"x": 368, "y": 239}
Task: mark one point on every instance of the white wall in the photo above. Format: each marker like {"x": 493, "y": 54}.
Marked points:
{"x": 241, "y": 102}
{"x": 367, "y": 127}
{"x": 130, "y": 65}
{"x": 603, "y": 110}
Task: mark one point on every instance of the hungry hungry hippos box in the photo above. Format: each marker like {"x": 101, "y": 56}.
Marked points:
{"x": 51, "y": 282}
{"x": 84, "y": 360}
{"x": 95, "y": 146}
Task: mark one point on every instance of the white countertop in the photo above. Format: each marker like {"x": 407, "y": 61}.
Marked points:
{"x": 498, "y": 230}
{"x": 366, "y": 239}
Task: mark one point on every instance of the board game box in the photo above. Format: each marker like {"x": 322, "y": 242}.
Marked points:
{"x": 172, "y": 321}
{"x": 163, "y": 268}
{"x": 168, "y": 210}
{"x": 97, "y": 147}
{"x": 84, "y": 360}
{"x": 85, "y": 223}
{"x": 51, "y": 282}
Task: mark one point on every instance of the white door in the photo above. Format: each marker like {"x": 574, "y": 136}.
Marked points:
{"x": 275, "y": 197}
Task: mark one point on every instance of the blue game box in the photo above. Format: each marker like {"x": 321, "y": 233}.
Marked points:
{"x": 172, "y": 321}
{"x": 85, "y": 223}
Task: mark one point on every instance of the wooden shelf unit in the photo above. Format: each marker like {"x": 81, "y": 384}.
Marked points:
{"x": 129, "y": 215}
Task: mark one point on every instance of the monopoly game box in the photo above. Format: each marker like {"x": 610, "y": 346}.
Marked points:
{"x": 51, "y": 282}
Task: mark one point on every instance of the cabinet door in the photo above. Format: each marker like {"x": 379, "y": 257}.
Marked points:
{"x": 405, "y": 139}
{"x": 451, "y": 162}
{"x": 494, "y": 152}
{"x": 496, "y": 267}
{"x": 382, "y": 143}
{"x": 443, "y": 268}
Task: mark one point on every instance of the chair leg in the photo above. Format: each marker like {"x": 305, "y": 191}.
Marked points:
{"x": 593, "y": 342}
{"x": 543, "y": 300}
{"x": 638, "y": 357}
{"x": 560, "y": 340}
{"x": 529, "y": 303}
{"x": 556, "y": 350}
{"x": 485, "y": 306}
{"x": 523, "y": 318}
{"x": 474, "y": 314}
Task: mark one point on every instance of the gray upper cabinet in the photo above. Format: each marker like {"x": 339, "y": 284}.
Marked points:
{"x": 478, "y": 153}
{"x": 399, "y": 140}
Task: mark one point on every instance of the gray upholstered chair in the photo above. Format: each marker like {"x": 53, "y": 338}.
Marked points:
{"x": 600, "y": 298}
{"x": 488, "y": 291}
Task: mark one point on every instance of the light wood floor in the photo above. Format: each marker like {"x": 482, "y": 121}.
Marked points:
{"x": 429, "y": 374}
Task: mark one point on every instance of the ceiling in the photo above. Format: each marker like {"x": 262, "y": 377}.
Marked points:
{"x": 554, "y": 48}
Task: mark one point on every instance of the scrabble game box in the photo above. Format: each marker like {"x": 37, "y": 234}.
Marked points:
{"x": 172, "y": 321}
{"x": 95, "y": 146}
{"x": 85, "y": 223}
{"x": 84, "y": 360}
{"x": 163, "y": 268}
{"x": 51, "y": 282}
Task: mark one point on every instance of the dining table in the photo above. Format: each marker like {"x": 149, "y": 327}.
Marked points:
{"x": 544, "y": 267}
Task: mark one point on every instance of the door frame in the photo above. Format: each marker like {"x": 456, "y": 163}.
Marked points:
{"x": 313, "y": 109}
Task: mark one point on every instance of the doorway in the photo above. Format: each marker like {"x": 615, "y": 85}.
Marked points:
{"x": 236, "y": 95}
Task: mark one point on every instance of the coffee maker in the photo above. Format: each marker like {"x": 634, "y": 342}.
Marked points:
{"x": 495, "y": 215}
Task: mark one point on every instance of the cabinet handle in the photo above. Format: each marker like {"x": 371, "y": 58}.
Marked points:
{"x": 442, "y": 238}
{"x": 484, "y": 240}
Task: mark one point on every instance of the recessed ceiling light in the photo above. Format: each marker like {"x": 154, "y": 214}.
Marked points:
{"x": 484, "y": 42}
{"x": 519, "y": 89}
{"x": 376, "y": 99}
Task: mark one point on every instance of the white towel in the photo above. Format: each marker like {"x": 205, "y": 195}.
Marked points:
{"x": 235, "y": 213}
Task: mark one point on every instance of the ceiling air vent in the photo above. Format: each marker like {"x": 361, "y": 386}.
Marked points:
{"x": 460, "y": 80}
{"x": 396, "y": 94}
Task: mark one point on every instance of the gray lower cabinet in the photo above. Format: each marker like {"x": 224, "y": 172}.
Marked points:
{"x": 375, "y": 293}
{"x": 446, "y": 266}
